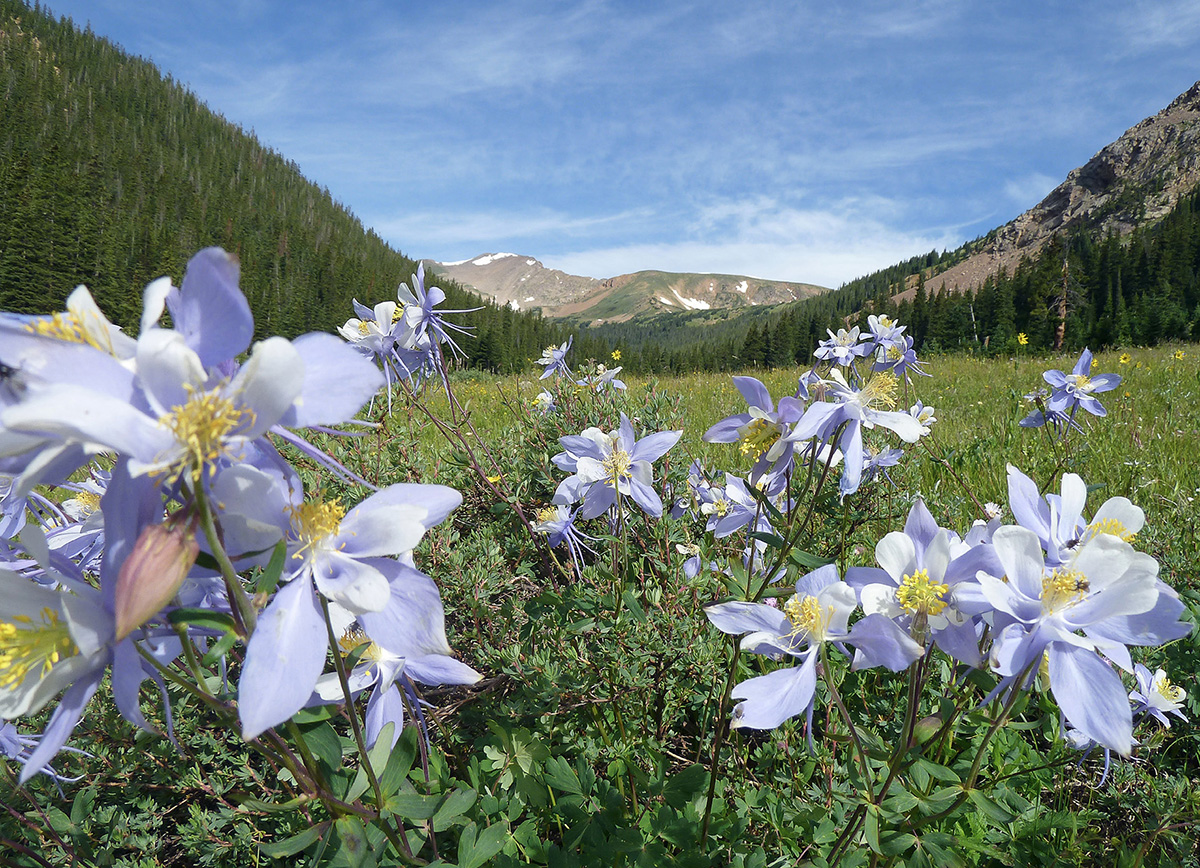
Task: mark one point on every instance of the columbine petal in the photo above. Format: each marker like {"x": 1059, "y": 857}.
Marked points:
{"x": 284, "y": 658}
{"x": 769, "y": 700}
{"x": 1092, "y": 696}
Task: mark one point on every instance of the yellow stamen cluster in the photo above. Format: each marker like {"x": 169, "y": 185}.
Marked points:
{"x": 62, "y": 326}
{"x": 27, "y": 645}
{"x": 89, "y": 499}
{"x": 398, "y": 312}
{"x": 1082, "y": 382}
{"x": 1110, "y": 526}
{"x": 1061, "y": 588}
{"x": 364, "y": 327}
{"x": 885, "y": 321}
{"x": 806, "y": 615}
{"x": 616, "y": 465}
{"x": 919, "y": 594}
{"x": 316, "y": 520}
{"x": 880, "y": 391}
{"x": 201, "y": 426}
{"x": 1167, "y": 690}
{"x": 758, "y": 436}
{"x": 547, "y": 513}
{"x": 720, "y": 506}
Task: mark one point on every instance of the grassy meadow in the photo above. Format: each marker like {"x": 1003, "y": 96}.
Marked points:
{"x": 597, "y": 736}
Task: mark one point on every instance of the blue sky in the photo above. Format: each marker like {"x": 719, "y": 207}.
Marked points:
{"x": 807, "y": 141}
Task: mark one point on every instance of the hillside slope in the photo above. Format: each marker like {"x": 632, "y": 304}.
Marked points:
{"x": 1131, "y": 182}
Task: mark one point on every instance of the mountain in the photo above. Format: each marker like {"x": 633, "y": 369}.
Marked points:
{"x": 524, "y": 283}
{"x": 1132, "y": 182}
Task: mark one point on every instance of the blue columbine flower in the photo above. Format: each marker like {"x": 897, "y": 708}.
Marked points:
{"x": 1078, "y": 388}
{"x": 853, "y": 410}
{"x": 818, "y": 612}
{"x": 606, "y": 466}
{"x": 1107, "y": 592}
{"x": 1156, "y": 696}
{"x": 844, "y": 348}
{"x": 762, "y": 431}
{"x": 342, "y": 556}
{"x": 555, "y": 360}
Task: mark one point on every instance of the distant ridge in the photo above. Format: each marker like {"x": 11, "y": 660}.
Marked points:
{"x": 524, "y": 283}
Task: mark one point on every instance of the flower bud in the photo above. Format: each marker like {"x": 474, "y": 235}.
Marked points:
{"x": 160, "y": 561}
{"x": 926, "y": 728}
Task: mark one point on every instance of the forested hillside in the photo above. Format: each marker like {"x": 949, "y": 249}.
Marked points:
{"x": 111, "y": 176}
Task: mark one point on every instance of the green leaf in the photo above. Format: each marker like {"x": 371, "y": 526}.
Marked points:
{"x": 218, "y": 621}
{"x": 634, "y": 607}
{"x": 355, "y": 851}
{"x": 456, "y": 804}
{"x": 896, "y": 843}
{"x": 293, "y": 845}
{"x": 871, "y": 828}
{"x": 400, "y": 761}
{"x": 559, "y": 774}
{"x": 270, "y": 576}
{"x": 992, "y": 809}
{"x": 219, "y": 649}
{"x": 413, "y": 806}
{"x": 275, "y": 807}
{"x": 685, "y": 786}
{"x": 323, "y": 741}
{"x": 473, "y": 852}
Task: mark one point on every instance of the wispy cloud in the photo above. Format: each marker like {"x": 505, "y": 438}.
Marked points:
{"x": 764, "y": 238}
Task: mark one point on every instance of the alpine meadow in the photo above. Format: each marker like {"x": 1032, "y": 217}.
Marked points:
{"x": 312, "y": 556}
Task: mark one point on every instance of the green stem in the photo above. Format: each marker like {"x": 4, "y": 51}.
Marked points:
{"x": 244, "y": 613}
{"x": 859, "y": 750}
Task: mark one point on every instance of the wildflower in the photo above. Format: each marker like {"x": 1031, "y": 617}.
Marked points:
{"x": 1058, "y": 519}
{"x": 1077, "y": 389}
{"x": 885, "y": 332}
{"x": 1106, "y": 591}
{"x": 341, "y": 555}
{"x": 924, "y": 415}
{"x": 691, "y": 563}
{"x": 993, "y": 511}
{"x": 876, "y": 463}
{"x": 762, "y": 432}
{"x": 558, "y": 523}
{"x": 606, "y": 466}
{"x": 920, "y": 582}
{"x": 842, "y": 348}
{"x": 1022, "y": 339}
{"x": 543, "y": 402}
{"x": 1125, "y": 359}
{"x": 1179, "y": 355}
{"x": 17, "y": 747}
{"x": 731, "y": 508}
{"x": 616, "y": 355}
{"x": 853, "y": 410}
{"x": 818, "y": 612}
{"x": 419, "y": 315}
{"x": 555, "y": 360}
{"x": 899, "y": 358}
{"x": 1156, "y": 696}
{"x": 424, "y": 657}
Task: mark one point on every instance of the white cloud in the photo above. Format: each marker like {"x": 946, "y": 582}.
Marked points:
{"x": 762, "y": 238}
{"x": 1029, "y": 190}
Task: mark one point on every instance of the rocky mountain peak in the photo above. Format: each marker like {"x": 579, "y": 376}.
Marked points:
{"x": 1135, "y": 180}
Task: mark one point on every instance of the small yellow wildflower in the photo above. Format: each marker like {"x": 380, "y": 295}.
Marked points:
{"x": 616, "y": 355}
{"x": 1179, "y": 355}
{"x": 1022, "y": 339}
{"x": 1125, "y": 359}
{"x": 494, "y": 479}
